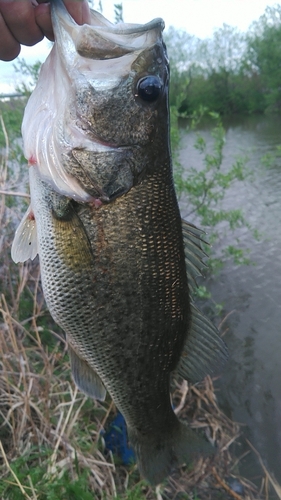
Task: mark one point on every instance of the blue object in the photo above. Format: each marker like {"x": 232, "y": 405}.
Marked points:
{"x": 116, "y": 440}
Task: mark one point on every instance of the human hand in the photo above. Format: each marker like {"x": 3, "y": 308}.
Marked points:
{"x": 27, "y": 22}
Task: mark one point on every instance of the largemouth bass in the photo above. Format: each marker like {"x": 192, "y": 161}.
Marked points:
{"x": 117, "y": 262}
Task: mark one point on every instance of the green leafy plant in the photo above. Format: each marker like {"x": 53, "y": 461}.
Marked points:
{"x": 30, "y": 73}
{"x": 205, "y": 187}
{"x": 118, "y": 13}
{"x": 230, "y": 72}
{"x": 272, "y": 157}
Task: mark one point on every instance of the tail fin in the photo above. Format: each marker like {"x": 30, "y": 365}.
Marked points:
{"x": 158, "y": 454}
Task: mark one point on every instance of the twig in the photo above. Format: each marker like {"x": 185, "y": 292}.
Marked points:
{"x": 6, "y": 138}
{"x": 54, "y": 454}
{"x": 75, "y": 417}
{"x": 272, "y": 481}
{"x": 158, "y": 492}
{"x": 14, "y": 193}
{"x": 225, "y": 318}
{"x": 31, "y": 486}
{"x": 184, "y": 391}
{"x": 113, "y": 486}
{"x": 225, "y": 486}
{"x": 102, "y": 423}
{"x": 233, "y": 466}
{"x": 13, "y": 473}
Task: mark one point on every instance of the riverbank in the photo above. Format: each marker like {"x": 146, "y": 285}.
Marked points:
{"x": 51, "y": 446}
{"x": 50, "y": 432}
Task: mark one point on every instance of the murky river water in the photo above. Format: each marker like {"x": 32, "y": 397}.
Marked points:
{"x": 250, "y": 386}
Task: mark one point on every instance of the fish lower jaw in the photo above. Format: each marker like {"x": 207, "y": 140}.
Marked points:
{"x": 91, "y": 141}
{"x": 99, "y": 146}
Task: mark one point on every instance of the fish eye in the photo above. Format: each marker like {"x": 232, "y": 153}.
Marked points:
{"x": 149, "y": 88}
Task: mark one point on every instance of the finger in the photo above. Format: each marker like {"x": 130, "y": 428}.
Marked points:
{"x": 79, "y": 10}
{"x": 43, "y": 19}
{"x": 9, "y": 47}
{"x": 20, "y": 19}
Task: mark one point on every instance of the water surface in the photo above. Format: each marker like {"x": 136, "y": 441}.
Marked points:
{"x": 250, "y": 386}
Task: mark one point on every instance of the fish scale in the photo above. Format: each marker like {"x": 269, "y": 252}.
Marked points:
{"x": 139, "y": 273}
{"x": 117, "y": 263}
{"x": 131, "y": 306}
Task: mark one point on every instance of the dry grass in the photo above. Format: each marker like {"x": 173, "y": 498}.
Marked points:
{"x": 50, "y": 432}
{"x": 41, "y": 414}
{"x": 40, "y": 408}
{"x": 46, "y": 420}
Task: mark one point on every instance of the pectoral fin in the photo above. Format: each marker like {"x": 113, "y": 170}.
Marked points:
{"x": 204, "y": 351}
{"x": 24, "y": 246}
{"x": 85, "y": 377}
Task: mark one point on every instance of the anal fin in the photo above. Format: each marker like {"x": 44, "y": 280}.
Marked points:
{"x": 204, "y": 350}
{"x": 25, "y": 245}
{"x": 85, "y": 377}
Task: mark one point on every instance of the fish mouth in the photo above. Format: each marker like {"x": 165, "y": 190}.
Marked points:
{"x": 102, "y": 40}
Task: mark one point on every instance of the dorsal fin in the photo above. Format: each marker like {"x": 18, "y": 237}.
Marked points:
{"x": 194, "y": 254}
{"x": 204, "y": 351}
